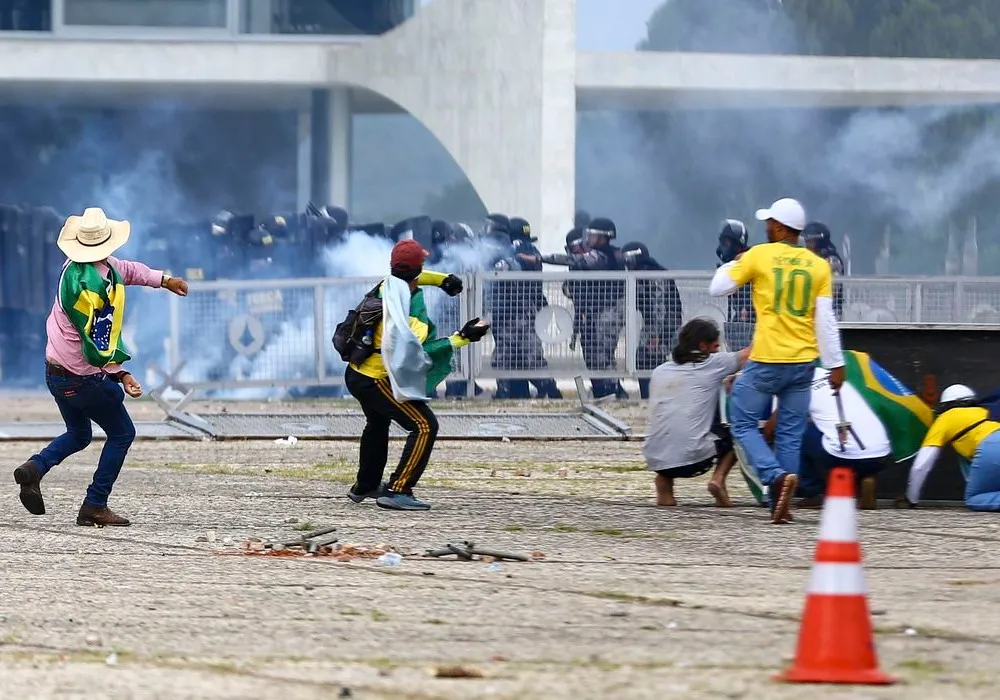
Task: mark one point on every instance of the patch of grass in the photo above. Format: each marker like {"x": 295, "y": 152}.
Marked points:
{"x": 967, "y": 582}
{"x": 619, "y": 470}
{"x": 922, "y": 666}
{"x": 350, "y": 613}
{"x": 609, "y": 531}
{"x": 513, "y": 527}
{"x": 306, "y": 526}
{"x": 560, "y": 527}
{"x": 378, "y": 615}
{"x": 434, "y": 622}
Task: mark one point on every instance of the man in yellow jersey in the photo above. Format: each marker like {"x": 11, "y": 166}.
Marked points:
{"x": 371, "y": 384}
{"x": 965, "y": 425}
{"x": 792, "y": 297}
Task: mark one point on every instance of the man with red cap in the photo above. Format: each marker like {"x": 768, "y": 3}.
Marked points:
{"x": 392, "y": 383}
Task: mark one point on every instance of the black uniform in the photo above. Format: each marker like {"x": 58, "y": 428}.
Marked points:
{"x": 740, "y": 319}
{"x": 514, "y": 305}
{"x": 659, "y": 304}
{"x": 599, "y": 306}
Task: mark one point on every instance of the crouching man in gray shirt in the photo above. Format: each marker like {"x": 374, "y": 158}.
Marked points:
{"x": 685, "y": 437}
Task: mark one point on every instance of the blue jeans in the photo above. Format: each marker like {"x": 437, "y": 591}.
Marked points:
{"x": 751, "y": 398}
{"x": 97, "y": 398}
{"x": 817, "y": 463}
{"x": 982, "y": 490}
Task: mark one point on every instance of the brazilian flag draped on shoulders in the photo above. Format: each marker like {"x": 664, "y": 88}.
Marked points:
{"x": 439, "y": 350}
{"x": 905, "y": 415}
{"x": 95, "y": 306}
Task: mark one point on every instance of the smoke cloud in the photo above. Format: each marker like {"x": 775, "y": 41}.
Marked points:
{"x": 669, "y": 179}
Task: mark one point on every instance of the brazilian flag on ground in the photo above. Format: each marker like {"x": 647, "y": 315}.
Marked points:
{"x": 904, "y": 415}
{"x": 96, "y": 307}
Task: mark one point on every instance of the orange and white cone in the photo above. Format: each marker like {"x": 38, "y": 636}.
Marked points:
{"x": 836, "y": 644}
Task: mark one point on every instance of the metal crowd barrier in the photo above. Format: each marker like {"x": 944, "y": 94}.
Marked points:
{"x": 235, "y": 335}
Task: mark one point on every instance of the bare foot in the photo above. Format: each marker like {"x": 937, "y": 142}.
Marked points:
{"x": 665, "y": 491}
{"x": 720, "y": 494}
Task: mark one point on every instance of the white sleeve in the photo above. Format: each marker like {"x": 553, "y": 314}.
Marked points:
{"x": 828, "y": 334}
{"x": 722, "y": 284}
{"x": 918, "y": 472}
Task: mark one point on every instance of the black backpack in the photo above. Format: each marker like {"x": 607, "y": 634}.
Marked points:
{"x": 353, "y": 338}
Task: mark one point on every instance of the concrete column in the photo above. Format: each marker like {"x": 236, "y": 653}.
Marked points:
{"x": 495, "y": 82}
{"x": 339, "y": 147}
{"x": 304, "y": 178}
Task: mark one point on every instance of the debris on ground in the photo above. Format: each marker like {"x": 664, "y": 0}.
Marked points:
{"x": 456, "y": 672}
{"x": 522, "y": 472}
{"x": 319, "y": 543}
{"x": 287, "y": 441}
{"x": 468, "y": 551}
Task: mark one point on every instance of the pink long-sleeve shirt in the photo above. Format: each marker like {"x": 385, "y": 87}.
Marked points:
{"x": 64, "y": 346}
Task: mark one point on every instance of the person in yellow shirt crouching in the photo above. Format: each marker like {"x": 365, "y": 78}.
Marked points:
{"x": 966, "y": 426}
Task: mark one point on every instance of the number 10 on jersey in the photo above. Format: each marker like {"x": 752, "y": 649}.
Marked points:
{"x": 792, "y": 292}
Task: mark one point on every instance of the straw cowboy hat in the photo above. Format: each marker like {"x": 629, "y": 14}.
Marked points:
{"x": 92, "y": 237}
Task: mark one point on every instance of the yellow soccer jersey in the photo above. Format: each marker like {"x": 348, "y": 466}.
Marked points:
{"x": 786, "y": 282}
{"x": 952, "y": 422}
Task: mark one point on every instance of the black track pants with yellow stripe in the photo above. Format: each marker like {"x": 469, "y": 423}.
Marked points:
{"x": 381, "y": 408}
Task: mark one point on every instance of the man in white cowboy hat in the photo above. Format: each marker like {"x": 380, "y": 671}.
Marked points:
{"x": 84, "y": 356}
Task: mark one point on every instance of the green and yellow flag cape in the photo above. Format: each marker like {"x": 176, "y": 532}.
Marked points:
{"x": 96, "y": 308}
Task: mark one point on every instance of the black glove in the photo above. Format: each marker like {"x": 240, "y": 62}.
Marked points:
{"x": 472, "y": 331}
{"x": 452, "y": 285}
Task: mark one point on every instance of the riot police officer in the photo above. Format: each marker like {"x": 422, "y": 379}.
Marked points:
{"x": 734, "y": 241}
{"x": 659, "y": 303}
{"x": 599, "y": 305}
{"x": 816, "y": 236}
{"x": 517, "y": 344}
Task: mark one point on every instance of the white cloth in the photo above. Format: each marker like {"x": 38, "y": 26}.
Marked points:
{"x": 922, "y": 466}
{"x": 823, "y": 412}
{"x": 828, "y": 334}
{"x": 403, "y": 354}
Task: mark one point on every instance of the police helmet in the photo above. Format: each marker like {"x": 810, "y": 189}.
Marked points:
{"x": 337, "y": 214}
{"x": 497, "y": 225}
{"x": 222, "y": 223}
{"x": 956, "y": 396}
{"x": 634, "y": 254}
{"x": 735, "y": 231}
{"x": 520, "y": 229}
{"x": 601, "y": 226}
{"x": 816, "y": 236}
{"x": 461, "y": 233}
{"x": 440, "y": 232}
{"x": 574, "y": 239}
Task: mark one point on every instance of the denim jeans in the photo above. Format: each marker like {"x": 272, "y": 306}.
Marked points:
{"x": 817, "y": 463}
{"x": 982, "y": 490}
{"x": 100, "y": 399}
{"x": 751, "y": 398}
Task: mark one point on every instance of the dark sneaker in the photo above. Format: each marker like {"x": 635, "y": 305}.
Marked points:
{"x": 100, "y": 516}
{"x": 810, "y": 502}
{"x": 400, "y": 501}
{"x": 28, "y": 476}
{"x": 358, "y": 497}
{"x": 780, "y": 494}
{"x": 868, "y": 500}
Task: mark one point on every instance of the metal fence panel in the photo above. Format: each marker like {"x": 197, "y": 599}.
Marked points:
{"x": 602, "y": 325}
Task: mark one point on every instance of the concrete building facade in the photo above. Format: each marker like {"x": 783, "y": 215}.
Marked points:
{"x": 498, "y": 82}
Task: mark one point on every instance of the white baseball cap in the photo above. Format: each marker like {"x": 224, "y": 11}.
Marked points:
{"x": 785, "y": 211}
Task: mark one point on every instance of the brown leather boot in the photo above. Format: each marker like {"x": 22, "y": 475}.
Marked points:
{"x": 100, "y": 516}
{"x": 27, "y": 477}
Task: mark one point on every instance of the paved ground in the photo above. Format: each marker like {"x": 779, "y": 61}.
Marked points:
{"x": 630, "y": 601}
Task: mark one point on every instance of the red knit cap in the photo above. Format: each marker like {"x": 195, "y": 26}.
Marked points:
{"x": 407, "y": 256}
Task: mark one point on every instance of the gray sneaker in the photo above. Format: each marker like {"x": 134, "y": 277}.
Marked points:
{"x": 400, "y": 501}
{"x": 353, "y": 494}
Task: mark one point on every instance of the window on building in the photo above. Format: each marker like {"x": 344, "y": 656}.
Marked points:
{"x": 145, "y": 13}
{"x": 26, "y": 15}
{"x": 344, "y": 17}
